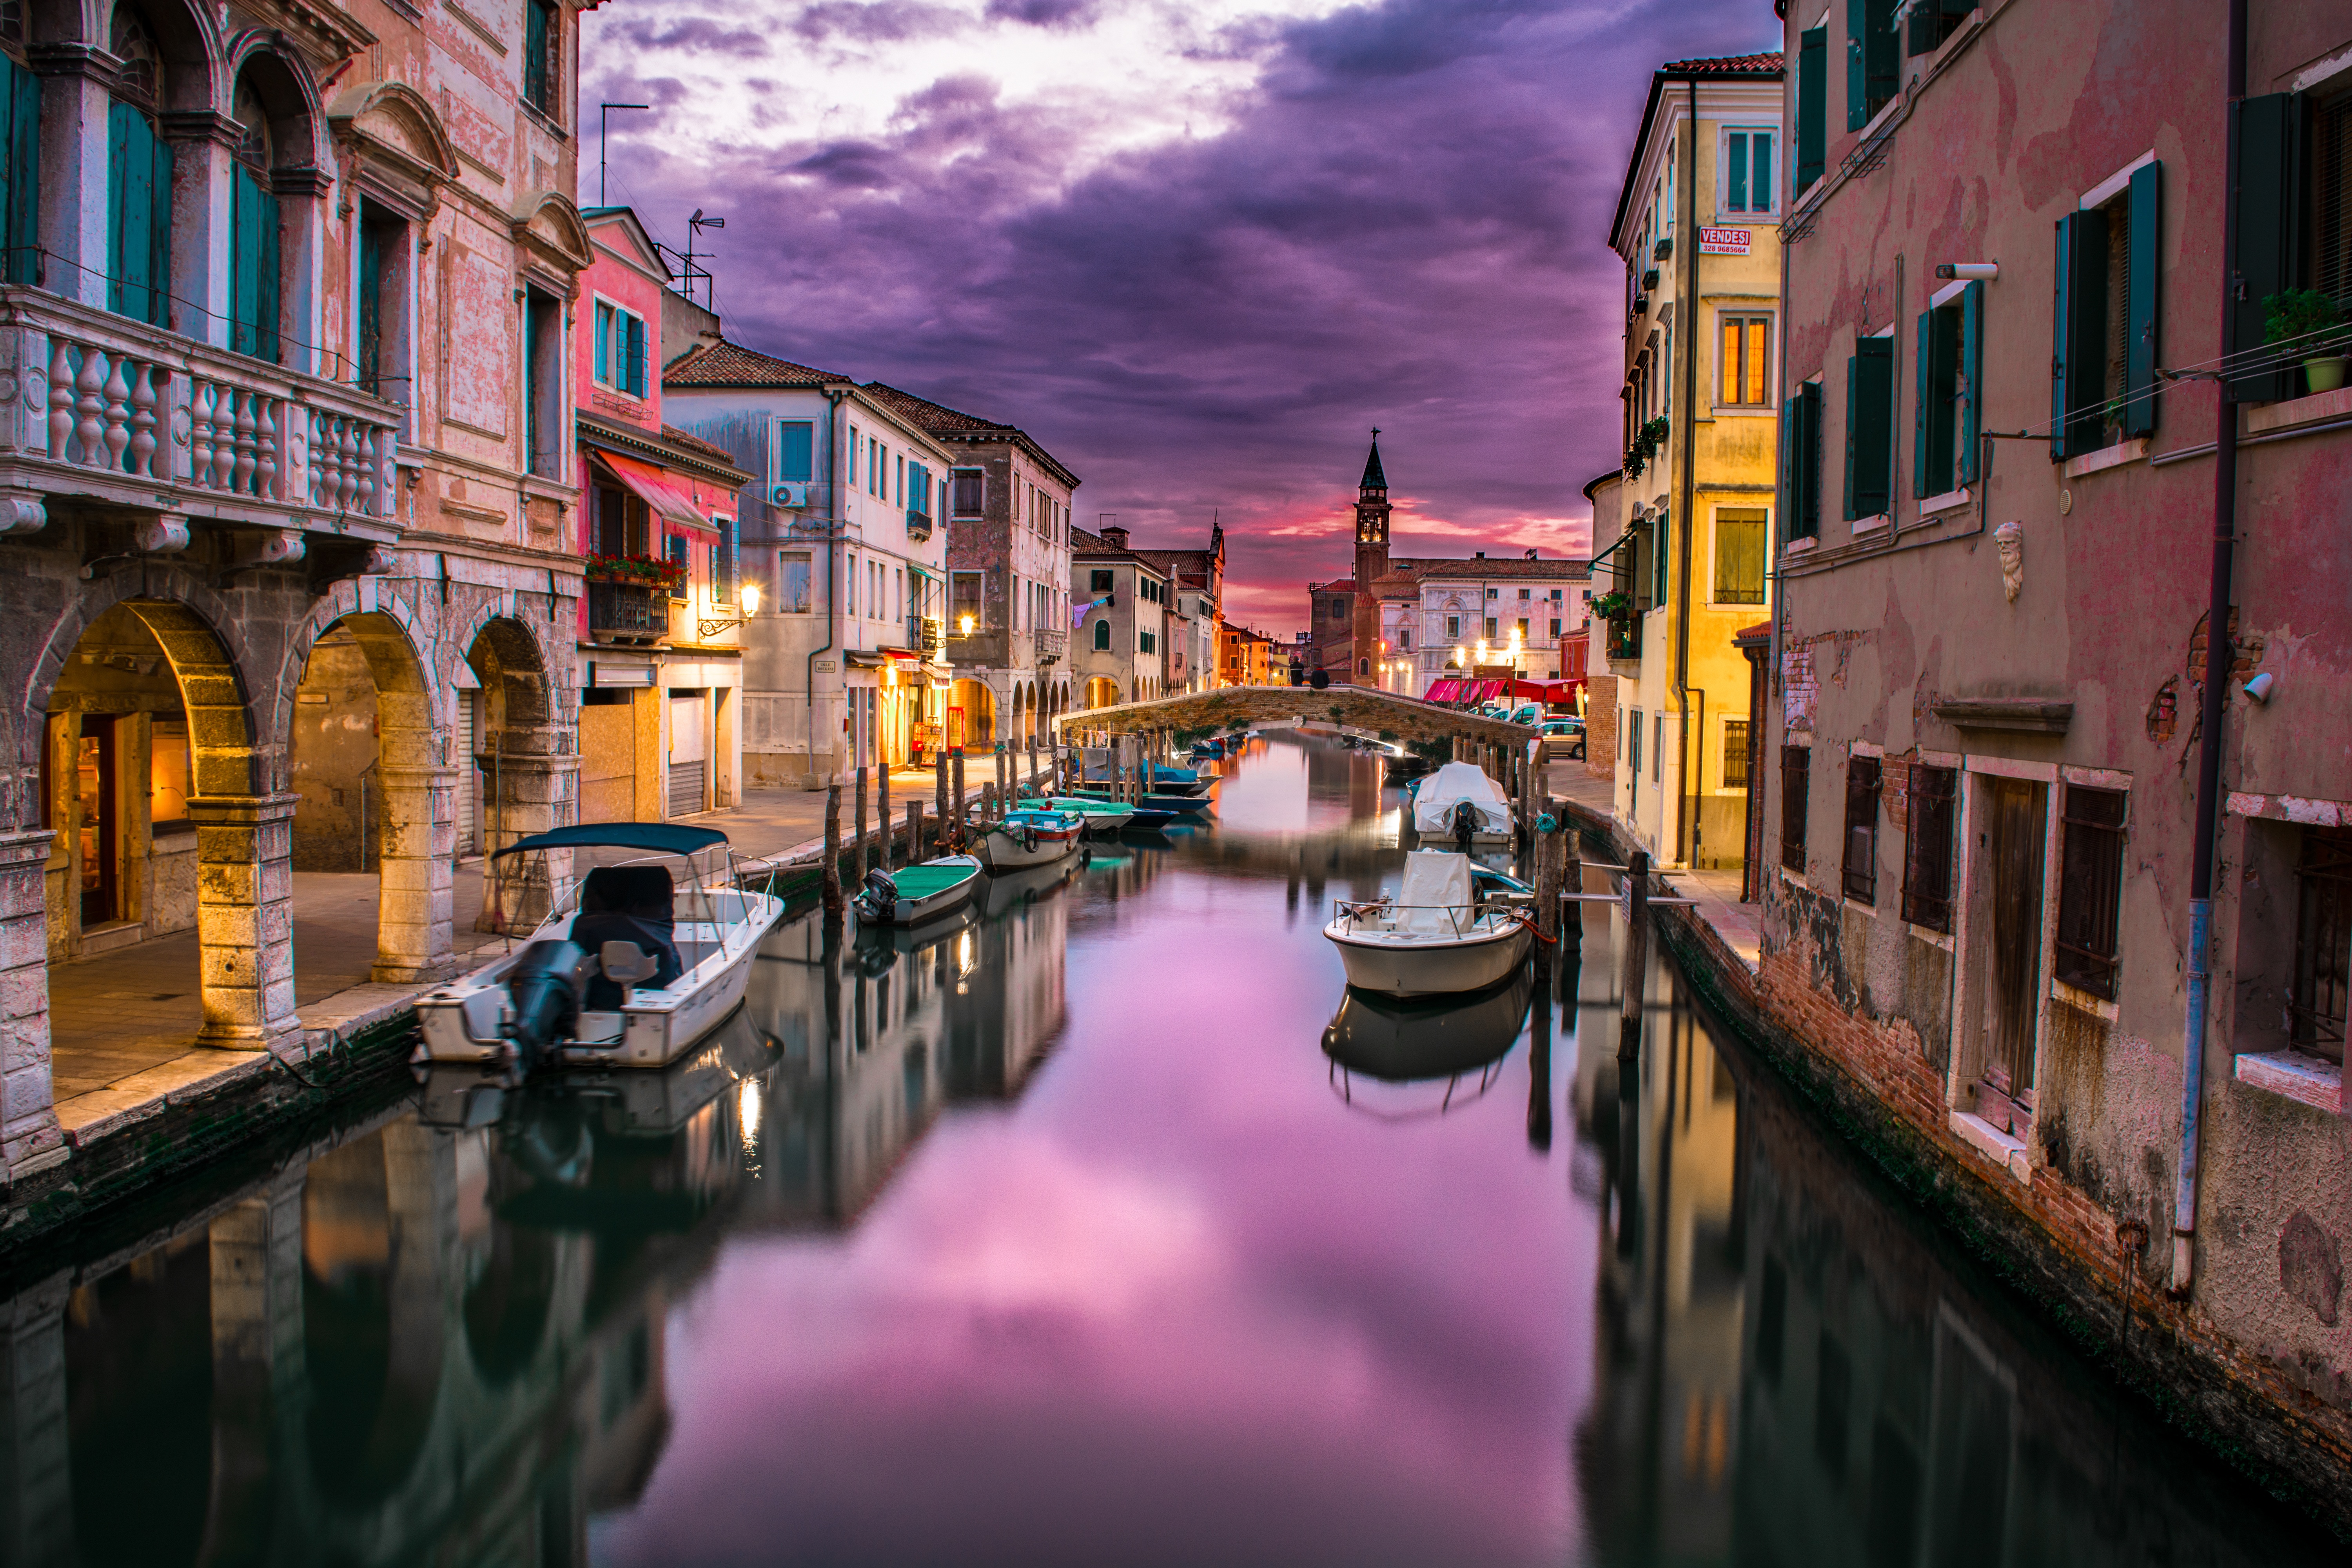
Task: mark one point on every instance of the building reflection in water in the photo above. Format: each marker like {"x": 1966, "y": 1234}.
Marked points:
{"x": 440, "y": 1334}
{"x": 1792, "y": 1365}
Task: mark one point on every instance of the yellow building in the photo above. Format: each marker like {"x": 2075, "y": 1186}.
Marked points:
{"x": 1692, "y": 524}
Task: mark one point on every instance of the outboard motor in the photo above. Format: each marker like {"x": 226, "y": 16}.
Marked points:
{"x": 881, "y": 894}
{"x": 1466, "y": 825}
{"x": 545, "y": 988}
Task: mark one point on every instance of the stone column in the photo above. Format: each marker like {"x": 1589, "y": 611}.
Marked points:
{"x": 200, "y": 142}
{"x": 415, "y": 901}
{"x": 527, "y": 794}
{"x": 73, "y": 205}
{"x": 36, "y": 1460}
{"x": 30, "y": 1138}
{"x": 244, "y": 919}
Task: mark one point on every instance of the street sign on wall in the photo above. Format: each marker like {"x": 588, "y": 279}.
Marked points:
{"x": 1723, "y": 241}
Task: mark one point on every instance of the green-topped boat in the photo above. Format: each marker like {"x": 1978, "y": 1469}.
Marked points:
{"x": 1103, "y": 816}
{"x": 913, "y": 894}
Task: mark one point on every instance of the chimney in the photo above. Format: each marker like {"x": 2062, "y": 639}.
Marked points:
{"x": 1115, "y": 537}
{"x": 1531, "y": 555}
{"x": 1481, "y": 556}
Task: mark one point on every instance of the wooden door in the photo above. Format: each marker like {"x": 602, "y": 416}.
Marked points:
{"x": 97, "y": 822}
{"x": 2019, "y": 824}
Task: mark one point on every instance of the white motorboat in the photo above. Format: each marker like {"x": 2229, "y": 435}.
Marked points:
{"x": 913, "y": 894}
{"x": 1031, "y": 836}
{"x": 631, "y": 969}
{"x": 1438, "y": 800}
{"x": 1434, "y": 938}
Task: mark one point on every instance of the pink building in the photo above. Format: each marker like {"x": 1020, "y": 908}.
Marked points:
{"x": 660, "y": 730}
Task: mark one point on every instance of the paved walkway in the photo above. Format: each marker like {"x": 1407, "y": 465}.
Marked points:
{"x": 1739, "y": 925}
{"x": 123, "y": 1026}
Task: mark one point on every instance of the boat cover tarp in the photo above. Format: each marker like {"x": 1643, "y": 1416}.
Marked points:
{"x": 922, "y": 881}
{"x": 662, "y": 838}
{"x": 1435, "y": 898}
{"x": 1434, "y": 802}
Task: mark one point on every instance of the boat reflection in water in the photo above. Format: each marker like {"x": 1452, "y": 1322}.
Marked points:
{"x": 1397, "y": 1040}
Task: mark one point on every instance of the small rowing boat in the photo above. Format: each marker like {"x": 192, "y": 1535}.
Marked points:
{"x": 1031, "y": 836}
{"x": 913, "y": 894}
{"x": 1103, "y": 816}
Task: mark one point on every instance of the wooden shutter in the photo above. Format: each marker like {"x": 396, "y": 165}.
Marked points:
{"x": 1869, "y": 427}
{"x": 1971, "y": 369}
{"x": 1924, "y": 397}
{"x": 1857, "y": 25}
{"x": 2139, "y": 301}
{"x": 796, "y": 450}
{"x": 1813, "y": 104}
{"x": 2078, "y": 349}
{"x": 636, "y": 356}
{"x": 2266, "y": 183}
{"x": 253, "y": 266}
{"x": 133, "y": 151}
{"x": 1881, "y": 57}
{"x": 20, "y": 202}
{"x": 603, "y": 368}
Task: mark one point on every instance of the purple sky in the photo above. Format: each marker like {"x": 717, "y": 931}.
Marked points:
{"x": 1196, "y": 247}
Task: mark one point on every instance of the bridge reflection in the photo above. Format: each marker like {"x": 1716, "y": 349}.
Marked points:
{"x": 439, "y": 1332}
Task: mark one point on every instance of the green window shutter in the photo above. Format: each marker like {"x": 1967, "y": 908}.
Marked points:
{"x": 2062, "y": 336}
{"x": 22, "y": 203}
{"x": 1800, "y": 457}
{"x": 637, "y": 356}
{"x": 1791, "y": 444}
{"x": 603, "y": 368}
{"x": 1813, "y": 104}
{"x": 1881, "y": 60}
{"x": 1735, "y": 172}
{"x": 266, "y": 291}
{"x": 126, "y": 213}
{"x": 796, "y": 450}
{"x": 2139, "y": 301}
{"x": 1971, "y": 369}
{"x": 1924, "y": 384}
{"x": 244, "y": 267}
{"x": 1869, "y": 427}
{"x": 158, "y": 231}
{"x": 1659, "y": 570}
{"x": 1857, "y": 90}
{"x": 2266, "y": 181}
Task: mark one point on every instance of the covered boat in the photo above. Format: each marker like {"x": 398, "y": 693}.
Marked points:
{"x": 1102, "y": 816}
{"x": 1434, "y": 938}
{"x": 913, "y": 894}
{"x": 1440, "y": 801}
{"x": 633, "y": 967}
{"x": 1031, "y": 836}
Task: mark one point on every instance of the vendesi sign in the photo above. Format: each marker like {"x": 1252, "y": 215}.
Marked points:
{"x": 1723, "y": 241}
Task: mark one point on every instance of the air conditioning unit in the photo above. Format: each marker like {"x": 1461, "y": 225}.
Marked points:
{"x": 792, "y": 496}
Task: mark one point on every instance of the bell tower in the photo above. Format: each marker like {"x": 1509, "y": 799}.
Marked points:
{"x": 1371, "y": 566}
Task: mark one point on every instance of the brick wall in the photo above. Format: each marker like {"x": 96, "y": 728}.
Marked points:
{"x": 1601, "y": 727}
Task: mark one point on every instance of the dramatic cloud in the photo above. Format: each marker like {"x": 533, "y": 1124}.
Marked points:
{"x": 1196, "y": 248}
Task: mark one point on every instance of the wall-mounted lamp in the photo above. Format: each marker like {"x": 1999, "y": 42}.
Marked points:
{"x": 711, "y": 628}
{"x": 1968, "y": 271}
{"x": 2258, "y": 689}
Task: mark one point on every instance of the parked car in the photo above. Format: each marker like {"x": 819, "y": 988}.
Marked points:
{"x": 1563, "y": 738}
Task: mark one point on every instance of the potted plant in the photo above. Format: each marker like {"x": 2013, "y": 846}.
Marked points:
{"x": 637, "y": 570}
{"x": 1646, "y": 442}
{"x": 1608, "y": 606}
{"x": 2305, "y": 323}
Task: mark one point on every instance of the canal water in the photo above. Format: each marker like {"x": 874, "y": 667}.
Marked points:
{"x": 1099, "y": 1227}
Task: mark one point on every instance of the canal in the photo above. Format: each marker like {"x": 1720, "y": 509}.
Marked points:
{"x": 1093, "y": 1229}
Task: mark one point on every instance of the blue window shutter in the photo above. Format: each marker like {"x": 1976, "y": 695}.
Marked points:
{"x": 603, "y": 368}
{"x": 159, "y": 234}
{"x": 1972, "y": 372}
{"x": 2140, "y": 302}
{"x": 253, "y": 266}
{"x": 2267, "y": 185}
{"x": 266, "y": 280}
{"x": 1735, "y": 172}
{"x": 1857, "y": 25}
{"x": 128, "y": 209}
{"x": 1813, "y": 104}
{"x": 20, "y": 204}
{"x": 2062, "y": 326}
{"x": 1881, "y": 57}
{"x": 636, "y": 356}
{"x": 796, "y": 450}
{"x": 1924, "y": 383}
{"x": 1760, "y": 146}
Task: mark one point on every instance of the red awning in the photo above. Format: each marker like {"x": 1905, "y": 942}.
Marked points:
{"x": 671, "y": 499}
{"x": 1443, "y": 691}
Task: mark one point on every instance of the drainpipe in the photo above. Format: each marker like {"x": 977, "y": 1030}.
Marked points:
{"x": 1688, "y": 245}
{"x": 831, "y": 532}
{"x": 2220, "y": 649}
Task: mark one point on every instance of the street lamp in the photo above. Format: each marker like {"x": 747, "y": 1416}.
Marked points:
{"x": 963, "y": 625}
{"x": 711, "y": 628}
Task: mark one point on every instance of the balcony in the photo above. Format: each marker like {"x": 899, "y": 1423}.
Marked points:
{"x": 1052, "y": 643}
{"x": 627, "y": 613}
{"x": 1624, "y": 641}
{"x": 919, "y": 525}
{"x": 125, "y": 415}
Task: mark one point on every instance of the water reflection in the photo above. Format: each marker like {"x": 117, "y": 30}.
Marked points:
{"x": 1042, "y": 1235}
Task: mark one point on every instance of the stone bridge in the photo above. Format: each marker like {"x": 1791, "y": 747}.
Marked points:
{"x": 1405, "y": 720}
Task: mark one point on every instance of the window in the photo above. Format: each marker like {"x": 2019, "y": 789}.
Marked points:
{"x": 1555, "y": 629}
{"x": 1145, "y": 642}
{"x": 1801, "y": 462}
{"x": 1494, "y": 593}
{"x": 1873, "y": 60}
{"x": 382, "y": 286}
{"x": 1521, "y": 625}
{"x": 1812, "y": 105}
{"x": 1523, "y": 593}
{"x": 1796, "y": 787}
{"x": 1734, "y": 754}
{"x": 1657, "y": 747}
{"x": 546, "y": 411}
{"x": 1490, "y": 629}
{"x": 1928, "y": 856}
{"x": 1634, "y": 745}
{"x": 1738, "y": 556}
{"x": 722, "y": 575}
{"x": 796, "y": 450}
{"x": 1102, "y": 636}
{"x": 252, "y": 235}
{"x": 964, "y": 595}
{"x": 970, "y": 488}
{"x": 1404, "y": 639}
{"x": 676, "y": 547}
{"x": 1454, "y": 628}
{"x": 2103, "y": 355}
{"x": 850, "y": 584}
{"x": 2090, "y": 887}
{"x": 1746, "y": 366}
{"x": 1933, "y": 21}
{"x": 1745, "y": 159}
{"x": 792, "y": 583}
{"x": 1862, "y": 779}
{"x": 918, "y": 491}
{"x": 2323, "y": 943}
{"x": 1944, "y": 416}
{"x": 1102, "y": 582}
{"x": 1662, "y": 530}
{"x": 1869, "y": 427}
{"x": 620, "y": 353}
{"x": 624, "y": 523}
{"x": 543, "y": 43}
{"x": 137, "y": 176}
{"x": 854, "y": 442}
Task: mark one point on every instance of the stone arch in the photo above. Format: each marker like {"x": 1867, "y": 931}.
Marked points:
{"x": 395, "y": 119}
{"x": 185, "y": 37}
{"x": 526, "y": 768}
{"x": 298, "y": 120}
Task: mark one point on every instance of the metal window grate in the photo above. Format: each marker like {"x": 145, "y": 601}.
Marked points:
{"x": 1734, "y": 754}
{"x": 1795, "y": 784}
{"x": 2090, "y": 888}
{"x": 1927, "y": 858}
{"x": 2323, "y": 941}
{"x": 1862, "y": 776}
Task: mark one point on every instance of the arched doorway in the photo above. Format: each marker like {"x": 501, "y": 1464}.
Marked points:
{"x": 369, "y": 768}
{"x": 152, "y": 779}
{"x": 1102, "y": 691}
{"x": 972, "y": 714}
{"x": 524, "y": 779}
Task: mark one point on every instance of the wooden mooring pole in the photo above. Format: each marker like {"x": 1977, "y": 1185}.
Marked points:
{"x": 831, "y": 880}
{"x": 860, "y": 857}
{"x": 914, "y": 830}
{"x": 953, "y": 822}
{"x": 1633, "y": 962}
{"x": 882, "y": 814}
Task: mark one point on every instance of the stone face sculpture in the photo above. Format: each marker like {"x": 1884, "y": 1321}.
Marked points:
{"x": 2010, "y": 538}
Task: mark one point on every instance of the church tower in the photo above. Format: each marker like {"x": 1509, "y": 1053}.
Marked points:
{"x": 1371, "y": 566}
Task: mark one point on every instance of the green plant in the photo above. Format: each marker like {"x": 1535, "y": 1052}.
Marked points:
{"x": 648, "y": 571}
{"x": 1646, "y": 442}
{"x": 2305, "y": 318}
{"x": 1608, "y": 607}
